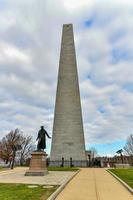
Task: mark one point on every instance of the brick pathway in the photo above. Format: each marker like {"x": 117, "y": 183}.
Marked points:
{"x": 94, "y": 184}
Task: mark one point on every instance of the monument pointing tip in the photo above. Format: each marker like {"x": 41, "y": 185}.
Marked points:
{"x": 68, "y": 145}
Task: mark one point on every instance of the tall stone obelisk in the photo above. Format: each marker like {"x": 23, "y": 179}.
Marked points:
{"x": 68, "y": 135}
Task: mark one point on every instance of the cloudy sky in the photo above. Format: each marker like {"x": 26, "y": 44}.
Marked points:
{"x": 30, "y": 37}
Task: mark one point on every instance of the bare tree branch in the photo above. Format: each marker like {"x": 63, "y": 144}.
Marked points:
{"x": 16, "y": 139}
{"x": 129, "y": 145}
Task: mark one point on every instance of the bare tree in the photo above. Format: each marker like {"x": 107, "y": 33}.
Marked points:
{"x": 5, "y": 151}
{"x": 27, "y": 148}
{"x": 7, "y": 143}
{"x": 93, "y": 152}
{"x": 13, "y": 142}
{"x": 129, "y": 145}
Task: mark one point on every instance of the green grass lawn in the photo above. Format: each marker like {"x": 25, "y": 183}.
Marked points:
{"x": 3, "y": 169}
{"x": 125, "y": 174}
{"x": 63, "y": 168}
{"x": 53, "y": 168}
{"x": 22, "y": 192}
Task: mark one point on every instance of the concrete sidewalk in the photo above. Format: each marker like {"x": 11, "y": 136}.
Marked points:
{"x": 17, "y": 176}
{"x": 94, "y": 184}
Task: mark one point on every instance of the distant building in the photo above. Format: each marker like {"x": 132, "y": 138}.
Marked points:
{"x": 97, "y": 161}
{"x": 106, "y": 161}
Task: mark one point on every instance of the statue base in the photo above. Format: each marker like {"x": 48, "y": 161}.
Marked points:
{"x": 38, "y": 164}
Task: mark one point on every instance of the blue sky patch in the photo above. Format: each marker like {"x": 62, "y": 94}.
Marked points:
{"x": 89, "y": 76}
{"x": 101, "y": 110}
{"x": 115, "y": 101}
{"x": 108, "y": 148}
{"x": 119, "y": 54}
{"x": 117, "y": 35}
{"x": 2, "y": 4}
{"x": 89, "y": 22}
{"x": 128, "y": 87}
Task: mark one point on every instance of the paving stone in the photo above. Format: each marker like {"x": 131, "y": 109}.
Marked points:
{"x": 48, "y": 186}
{"x": 17, "y": 176}
{"x": 32, "y": 186}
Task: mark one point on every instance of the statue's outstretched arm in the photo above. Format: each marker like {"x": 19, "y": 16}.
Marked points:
{"x": 47, "y": 134}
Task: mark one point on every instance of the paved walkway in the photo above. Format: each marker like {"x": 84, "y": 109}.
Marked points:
{"x": 17, "y": 176}
{"x": 94, "y": 184}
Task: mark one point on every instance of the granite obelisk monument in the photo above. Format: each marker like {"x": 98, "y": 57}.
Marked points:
{"x": 68, "y": 145}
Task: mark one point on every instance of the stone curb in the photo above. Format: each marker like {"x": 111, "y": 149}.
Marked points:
{"x": 61, "y": 187}
{"x": 121, "y": 181}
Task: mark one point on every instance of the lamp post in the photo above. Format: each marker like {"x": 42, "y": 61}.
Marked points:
{"x": 120, "y": 152}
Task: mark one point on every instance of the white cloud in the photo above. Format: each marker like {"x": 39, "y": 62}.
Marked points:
{"x": 73, "y": 5}
{"x": 126, "y": 2}
{"x": 29, "y": 55}
{"x": 11, "y": 53}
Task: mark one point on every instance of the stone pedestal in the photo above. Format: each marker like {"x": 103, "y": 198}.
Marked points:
{"x": 38, "y": 166}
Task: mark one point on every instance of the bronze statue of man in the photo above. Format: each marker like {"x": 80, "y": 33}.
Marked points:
{"x": 42, "y": 139}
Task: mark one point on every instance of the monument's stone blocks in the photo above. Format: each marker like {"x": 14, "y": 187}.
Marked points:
{"x": 68, "y": 135}
{"x": 38, "y": 165}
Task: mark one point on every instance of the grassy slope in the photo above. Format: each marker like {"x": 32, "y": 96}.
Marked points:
{"x": 125, "y": 174}
{"x": 22, "y": 192}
